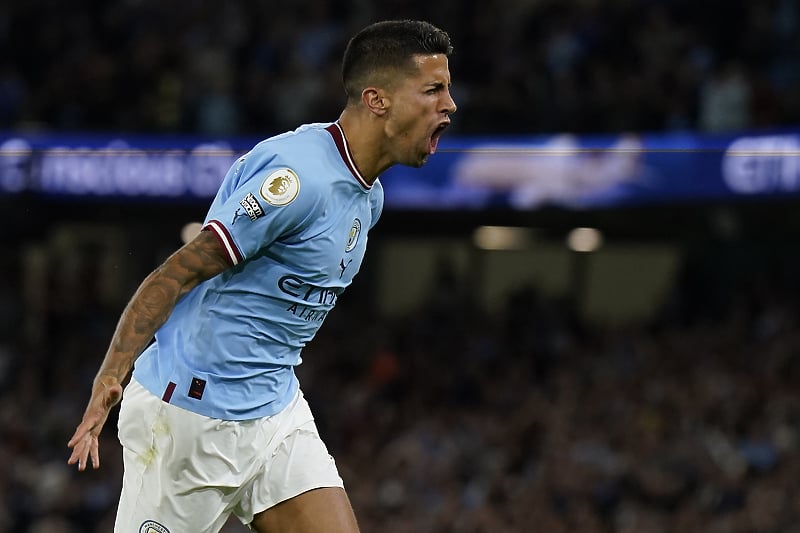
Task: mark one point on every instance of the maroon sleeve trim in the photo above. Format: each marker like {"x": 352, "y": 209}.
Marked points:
{"x": 225, "y": 239}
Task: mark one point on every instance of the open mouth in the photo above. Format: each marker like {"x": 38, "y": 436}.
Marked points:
{"x": 437, "y": 133}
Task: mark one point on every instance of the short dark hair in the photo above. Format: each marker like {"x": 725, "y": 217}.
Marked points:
{"x": 388, "y": 46}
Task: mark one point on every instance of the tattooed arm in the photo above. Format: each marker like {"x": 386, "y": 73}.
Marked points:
{"x": 198, "y": 260}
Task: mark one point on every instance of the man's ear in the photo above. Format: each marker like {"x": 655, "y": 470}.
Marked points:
{"x": 375, "y": 100}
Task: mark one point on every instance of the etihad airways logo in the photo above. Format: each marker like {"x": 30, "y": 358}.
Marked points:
{"x": 314, "y": 301}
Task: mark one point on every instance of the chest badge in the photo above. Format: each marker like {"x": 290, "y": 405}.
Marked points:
{"x": 352, "y": 237}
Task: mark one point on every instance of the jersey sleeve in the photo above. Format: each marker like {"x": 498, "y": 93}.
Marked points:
{"x": 259, "y": 205}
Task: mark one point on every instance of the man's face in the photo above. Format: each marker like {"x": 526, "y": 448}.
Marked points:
{"x": 420, "y": 109}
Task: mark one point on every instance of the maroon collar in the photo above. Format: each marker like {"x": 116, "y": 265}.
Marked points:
{"x": 344, "y": 150}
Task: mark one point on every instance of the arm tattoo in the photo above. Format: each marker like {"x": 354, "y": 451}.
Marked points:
{"x": 156, "y": 297}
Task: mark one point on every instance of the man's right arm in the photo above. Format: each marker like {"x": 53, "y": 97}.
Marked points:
{"x": 198, "y": 260}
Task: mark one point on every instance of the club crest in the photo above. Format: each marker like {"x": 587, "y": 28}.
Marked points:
{"x": 352, "y": 237}
{"x": 151, "y": 526}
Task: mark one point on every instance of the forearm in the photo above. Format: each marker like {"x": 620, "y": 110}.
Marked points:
{"x": 147, "y": 311}
{"x": 200, "y": 259}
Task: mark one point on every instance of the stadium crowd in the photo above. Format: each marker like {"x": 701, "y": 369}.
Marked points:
{"x": 521, "y": 66}
{"x": 451, "y": 419}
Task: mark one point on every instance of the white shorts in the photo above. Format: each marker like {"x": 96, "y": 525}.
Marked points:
{"x": 186, "y": 472}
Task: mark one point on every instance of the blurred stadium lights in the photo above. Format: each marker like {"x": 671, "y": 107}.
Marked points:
{"x": 190, "y": 231}
{"x": 502, "y": 238}
{"x": 584, "y": 239}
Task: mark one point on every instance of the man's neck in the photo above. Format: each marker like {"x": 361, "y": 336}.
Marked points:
{"x": 365, "y": 137}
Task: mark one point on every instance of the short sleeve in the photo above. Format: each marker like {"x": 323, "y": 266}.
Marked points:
{"x": 254, "y": 208}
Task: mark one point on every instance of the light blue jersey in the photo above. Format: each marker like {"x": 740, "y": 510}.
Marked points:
{"x": 293, "y": 215}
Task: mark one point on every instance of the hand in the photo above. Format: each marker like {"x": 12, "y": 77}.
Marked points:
{"x": 84, "y": 442}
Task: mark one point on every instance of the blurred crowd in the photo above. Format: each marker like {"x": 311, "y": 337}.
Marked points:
{"x": 521, "y": 66}
{"x": 454, "y": 420}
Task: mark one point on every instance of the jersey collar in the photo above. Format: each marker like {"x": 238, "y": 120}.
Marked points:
{"x": 344, "y": 150}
